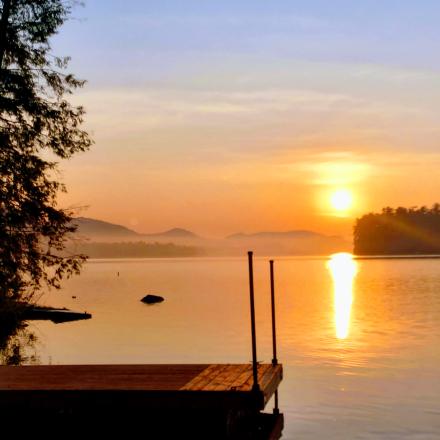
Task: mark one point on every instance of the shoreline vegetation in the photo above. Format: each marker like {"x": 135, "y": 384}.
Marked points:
{"x": 14, "y": 334}
{"x": 401, "y": 231}
{"x": 137, "y": 249}
{"x": 17, "y": 341}
{"x": 202, "y": 254}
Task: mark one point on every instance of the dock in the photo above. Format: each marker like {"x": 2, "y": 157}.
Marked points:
{"x": 69, "y": 388}
{"x": 212, "y": 401}
{"x": 215, "y": 401}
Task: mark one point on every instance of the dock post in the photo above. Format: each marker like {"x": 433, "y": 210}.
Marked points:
{"x": 255, "y": 386}
{"x": 272, "y": 301}
{"x": 274, "y": 334}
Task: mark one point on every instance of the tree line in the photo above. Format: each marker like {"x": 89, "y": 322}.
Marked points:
{"x": 399, "y": 231}
{"x": 136, "y": 250}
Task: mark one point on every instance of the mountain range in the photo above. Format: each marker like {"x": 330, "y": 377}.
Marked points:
{"x": 98, "y": 230}
{"x": 278, "y": 234}
{"x": 294, "y": 242}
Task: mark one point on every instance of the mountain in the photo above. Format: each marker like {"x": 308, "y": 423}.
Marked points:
{"x": 295, "y": 242}
{"x": 173, "y": 233}
{"x": 98, "y": 229}
{"x": 99, "y": 239}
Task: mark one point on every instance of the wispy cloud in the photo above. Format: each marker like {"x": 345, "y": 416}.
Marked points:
{"x": 292, "y": 21}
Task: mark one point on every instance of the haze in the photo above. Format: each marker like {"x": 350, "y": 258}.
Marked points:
{"x": 232, "y": 116}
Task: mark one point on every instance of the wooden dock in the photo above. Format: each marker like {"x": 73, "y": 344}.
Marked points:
{"x": 195, "y": 393}
{"x": 152, "y": 386}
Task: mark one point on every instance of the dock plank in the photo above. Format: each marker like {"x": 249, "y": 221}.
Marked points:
{"x": 204, "y": 378}
{"x": 97, "y": 377}
{"x": 232, "y": 377}
{"x": 247, "y": 384}
{"x": 222, "y": 380}
{"x": 242, "y": 378}
{"x": 186, "y": 386}
{"x": 266, "y": 375}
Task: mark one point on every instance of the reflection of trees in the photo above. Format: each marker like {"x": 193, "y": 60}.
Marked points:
{"x": 399, "y": 231}
{"x": 17, "y": 343}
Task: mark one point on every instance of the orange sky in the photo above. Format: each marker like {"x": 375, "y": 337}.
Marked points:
{"x": 220, "y": 135}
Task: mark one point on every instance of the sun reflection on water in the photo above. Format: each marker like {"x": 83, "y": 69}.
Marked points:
{"x": 343, "y": 269}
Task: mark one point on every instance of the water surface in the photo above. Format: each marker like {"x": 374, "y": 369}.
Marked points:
{"x": 359, "y": 340}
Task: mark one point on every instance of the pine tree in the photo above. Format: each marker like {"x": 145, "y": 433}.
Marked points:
{"x": 36, "y": 123}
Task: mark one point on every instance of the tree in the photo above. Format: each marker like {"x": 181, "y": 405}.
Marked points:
{"x": 37, "y": 127}
{"x": 399, "y": 231}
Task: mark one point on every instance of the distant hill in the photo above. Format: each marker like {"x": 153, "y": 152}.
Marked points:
{"x": 91, "y": 228}
{"x": 276, "y": 235}
{"x": 124, "y": 242}
{"x": 98, "y": 230}
{"x": 296, "y": 242}
{"x": 99, "y": 239}
{"x": 173, "y": 233}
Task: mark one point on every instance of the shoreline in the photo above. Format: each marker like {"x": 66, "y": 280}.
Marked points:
{"x": 258, "y": 257}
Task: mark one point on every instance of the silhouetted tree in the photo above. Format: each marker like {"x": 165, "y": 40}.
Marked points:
{"x": 35, "y": 118}
{"x": 399, "y": 231}
{"x": 18, "y": 344}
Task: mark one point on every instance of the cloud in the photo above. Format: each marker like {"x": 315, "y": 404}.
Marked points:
{"x": 150, "y": 107}
{"x": 338, "y": 171}
{"x": 269, "y": 114}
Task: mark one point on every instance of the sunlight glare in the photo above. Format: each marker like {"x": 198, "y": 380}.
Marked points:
{"x": 341, "y": 200}
{"x": 343, "y": 270}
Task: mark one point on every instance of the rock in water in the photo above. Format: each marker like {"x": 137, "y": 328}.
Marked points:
{"x": 152, "y": 299}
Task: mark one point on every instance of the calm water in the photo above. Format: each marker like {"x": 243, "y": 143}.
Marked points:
{"x": 359, "y": 340}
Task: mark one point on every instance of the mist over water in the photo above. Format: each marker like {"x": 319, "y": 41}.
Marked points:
{"x": 359, "y": 339}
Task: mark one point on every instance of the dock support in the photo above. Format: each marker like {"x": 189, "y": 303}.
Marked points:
{"x": 255, "y": 386}
{"x": 272, "y": 301}
{"x": 274, "y": 334}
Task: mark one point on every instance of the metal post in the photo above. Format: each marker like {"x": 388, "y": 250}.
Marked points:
{"x": 272, "y": 300}
{"x": 255, "y": 386}
{"x": 274, "y": 334}
{"x": 276, "y": 410}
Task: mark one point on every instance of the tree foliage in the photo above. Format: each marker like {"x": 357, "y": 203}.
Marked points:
{"x": 399, "y": 231}
{"x": 138, "y": 249}
{"x": 37, "y": 123}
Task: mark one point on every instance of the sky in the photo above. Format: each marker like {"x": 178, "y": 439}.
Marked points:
{"x": 244, "y": 116}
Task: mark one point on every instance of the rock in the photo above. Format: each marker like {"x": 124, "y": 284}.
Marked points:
{"x": 152, "y": 299}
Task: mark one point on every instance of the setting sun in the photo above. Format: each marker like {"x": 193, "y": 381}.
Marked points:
{"x": 341, "y": 200}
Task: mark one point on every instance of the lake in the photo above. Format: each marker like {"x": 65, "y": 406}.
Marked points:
{"x": 359, "y": 339}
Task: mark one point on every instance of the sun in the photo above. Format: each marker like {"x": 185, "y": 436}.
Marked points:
{"x": 341, "y": 200}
